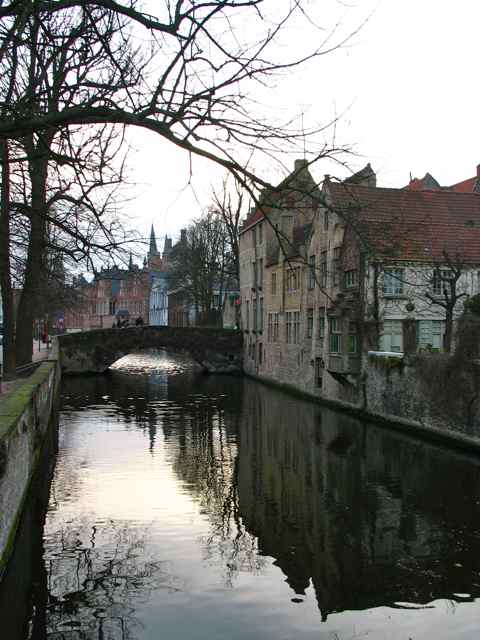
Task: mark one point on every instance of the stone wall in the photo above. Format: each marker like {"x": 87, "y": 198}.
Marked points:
{"x": 424, "y": 390}
{"x": 25, "y": 417}
{"x": 216, "y": 350}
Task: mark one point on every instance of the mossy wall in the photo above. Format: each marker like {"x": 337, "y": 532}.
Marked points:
{"x": 24, "y": 422}
{"x": 433, "y": 390}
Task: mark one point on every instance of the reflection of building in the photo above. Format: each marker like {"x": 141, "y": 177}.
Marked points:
{"x": 365, "y": 516}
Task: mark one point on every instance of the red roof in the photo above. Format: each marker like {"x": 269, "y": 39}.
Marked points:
{"x": 466, "y": 186}
{"x": 417, "y": 184}
{"x": 252, "y": 219}
{"x": 405, "y": 224}
{"x": 428, "y": 182}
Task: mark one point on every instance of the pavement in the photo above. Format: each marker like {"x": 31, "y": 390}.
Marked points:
{"x": 40, "y": 352}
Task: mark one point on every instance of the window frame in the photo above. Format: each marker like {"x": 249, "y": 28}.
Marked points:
{"x": 311, "y": 272}
{"x": 335, "y": 333}
{"x": 393, "y": 286}
{"x": 309, "y": 331}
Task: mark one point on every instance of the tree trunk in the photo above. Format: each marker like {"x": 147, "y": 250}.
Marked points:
{"x": 5, "y": 274}
{"x": 448, "y": 329}
{"x": 33, "y": 270}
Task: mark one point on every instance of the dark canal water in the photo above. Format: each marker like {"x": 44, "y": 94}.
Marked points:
{"x": 183, "y": 506}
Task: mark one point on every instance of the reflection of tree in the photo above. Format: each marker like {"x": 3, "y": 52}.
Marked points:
{"x": 207, "y": 462}
{"x": 97, "y": 577}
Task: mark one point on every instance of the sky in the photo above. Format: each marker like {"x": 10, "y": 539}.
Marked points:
{"x": 404, "y": 90}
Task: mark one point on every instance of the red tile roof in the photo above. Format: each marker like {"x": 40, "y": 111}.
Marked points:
{"x": 466, "y": 186}
{"x": 252, "y": 219}
{"x": 412, "y": 225}
{"x": 428, "y": 182}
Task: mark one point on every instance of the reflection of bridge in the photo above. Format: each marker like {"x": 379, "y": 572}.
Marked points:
{"x": 217, "y": 350}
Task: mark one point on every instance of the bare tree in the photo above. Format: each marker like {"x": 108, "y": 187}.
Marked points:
{"x": 60, "y": 171}
{"x": 228, "y": 203}
{"x": 202, "y": 265}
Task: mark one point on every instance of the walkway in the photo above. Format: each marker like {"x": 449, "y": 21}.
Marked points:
{"x": 42, "y": 353}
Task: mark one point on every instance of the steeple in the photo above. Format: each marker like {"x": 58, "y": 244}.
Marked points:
{"x": 152, "y": 250}
{"x": 130, "y": 263}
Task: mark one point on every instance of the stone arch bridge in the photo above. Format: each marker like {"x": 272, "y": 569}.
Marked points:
{"x": 216, "y": 350}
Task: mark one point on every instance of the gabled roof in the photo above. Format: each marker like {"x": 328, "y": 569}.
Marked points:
{"x": 411, "y": 225}
{"x": 427, "y": 183}
{"x": 300, "y": 181}
{"x": 471, "y": 185}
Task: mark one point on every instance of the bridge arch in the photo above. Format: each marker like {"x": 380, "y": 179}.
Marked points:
{"x": 216, "y": 350}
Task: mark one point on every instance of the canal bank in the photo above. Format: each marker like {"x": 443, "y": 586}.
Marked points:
{"x": 25, "y": 422}
{"x": 417, "y": 395}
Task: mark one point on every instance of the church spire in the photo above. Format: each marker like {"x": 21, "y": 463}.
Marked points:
{"x": 152, "y": 251}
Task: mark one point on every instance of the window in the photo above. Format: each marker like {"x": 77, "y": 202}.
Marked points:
{"x": 254, "y": 236}
{"x": 392, "y": 336}
{"x": 260, "y": 273}
{"x": 439, "y": 279}
{"x": 270, "y": 327}
{"x": 260, "y": 353}
{"x": 293, "y": 278}
{"x": 325, "y": 220}
{"x": 247, "y": 313}
{"x": 260, "y": 233}
{"x": 254, "y": 274}
{"x": 318, "y": 372}
{"x": 336, "y": 266}
{"x": 255, "y": 318}
{"x": 288, "y": 326}
{"x": 321, "y": 324}
{"x": 260, "y": 315}
{"x": 393, "y": 282}
{"x": 274, "y": 284}
{"x": 352, "y": 346}
{"x": 311, "y": 272}
{"x": 309, "y": 323}
{"x": 351, "y": 278}
{"x": 430, "y": 334}
{"x": 335, "y": 335}
{"x": 323, "y": 270}
{"x": 216, "y": 301}
{"x": 296, "y": 327}
{"x": 276, "y": 331}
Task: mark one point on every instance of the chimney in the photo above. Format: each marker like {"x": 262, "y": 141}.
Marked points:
{"x": 301, "y": 163}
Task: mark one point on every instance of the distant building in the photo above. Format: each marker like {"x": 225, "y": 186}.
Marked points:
{"x": 160, "y": 281}
{"x": 428, "y": 183}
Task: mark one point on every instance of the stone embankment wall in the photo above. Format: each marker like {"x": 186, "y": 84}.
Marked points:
{"x": 426, "y": 393}
{"x": 25, "y": 419}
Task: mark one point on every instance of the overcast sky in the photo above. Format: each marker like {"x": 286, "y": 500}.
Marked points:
{"x": 405, "y": 88}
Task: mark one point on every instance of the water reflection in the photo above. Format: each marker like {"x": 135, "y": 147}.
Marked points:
{"x": 189, "y": 506}
{"x": 365, "y": 515}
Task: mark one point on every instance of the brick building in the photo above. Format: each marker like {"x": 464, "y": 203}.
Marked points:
{"x": 328, "y": 274}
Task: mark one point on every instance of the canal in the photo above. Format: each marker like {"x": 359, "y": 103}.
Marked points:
{"x": 187, "y": 506}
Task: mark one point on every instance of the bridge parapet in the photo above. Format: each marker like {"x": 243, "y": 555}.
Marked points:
{"x": 216, "y": 350}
